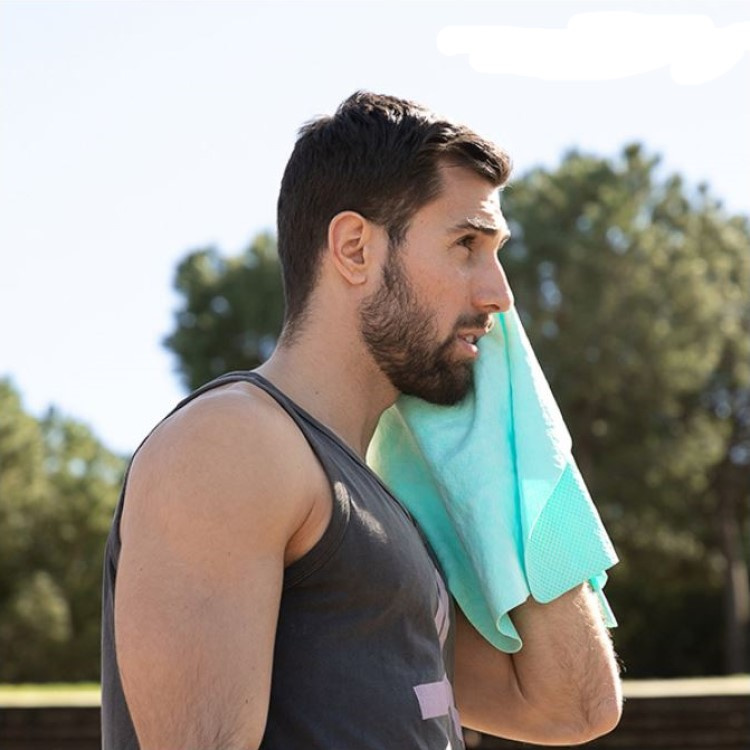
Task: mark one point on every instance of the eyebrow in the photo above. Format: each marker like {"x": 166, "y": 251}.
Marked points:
{"x": 477, "y": 225}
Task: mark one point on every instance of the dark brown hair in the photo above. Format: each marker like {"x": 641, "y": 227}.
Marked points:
{"x": 379, "y": 156}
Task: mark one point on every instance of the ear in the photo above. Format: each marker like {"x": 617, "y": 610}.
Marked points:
{"x": 349, "y": 245}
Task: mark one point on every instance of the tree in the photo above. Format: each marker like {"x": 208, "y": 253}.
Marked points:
{"x": 84, "y": 480}
{"x": 58, "y": 489}
{"x": 634, "y": 294}
{"x": 231, "y": 311}
{"x": 31, "y": 607}
{"x": 633, "y": 291}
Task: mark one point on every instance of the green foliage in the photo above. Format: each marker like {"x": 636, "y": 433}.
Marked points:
{"x": 634, "y": 292}
{"x": 22, "y": 487}
{"x": 231, "y": 311}
{"x": 58, "y": 489}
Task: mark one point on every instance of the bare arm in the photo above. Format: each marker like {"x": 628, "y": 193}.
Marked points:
{"x": 212, "y": 502}
{"x": 563, "y": 687}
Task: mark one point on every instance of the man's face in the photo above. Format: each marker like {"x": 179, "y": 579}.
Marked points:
{"x": 402, "y": 337}
{"x": 438, "y": 291}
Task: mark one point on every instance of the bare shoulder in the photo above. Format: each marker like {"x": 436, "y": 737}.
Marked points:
{"x": 231, "y": 462}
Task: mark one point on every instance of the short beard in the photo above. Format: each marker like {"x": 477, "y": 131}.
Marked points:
{"x": 402, "y": 338}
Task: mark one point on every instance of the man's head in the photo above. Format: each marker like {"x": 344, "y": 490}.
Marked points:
{"x": 438, "y": 292}
{"x": 378, "y": 156}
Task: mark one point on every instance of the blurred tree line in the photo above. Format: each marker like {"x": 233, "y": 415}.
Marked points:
{"x": 634, "y": 292}
{"x": 58, "y": 488}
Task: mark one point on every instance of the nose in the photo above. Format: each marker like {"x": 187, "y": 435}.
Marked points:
{"x": 492, "y": 292}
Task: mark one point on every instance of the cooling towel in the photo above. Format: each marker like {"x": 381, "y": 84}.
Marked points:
{"x": 494, "y": 487}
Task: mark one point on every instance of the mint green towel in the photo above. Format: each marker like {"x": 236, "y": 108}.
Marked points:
{"x": 494, "y": 486}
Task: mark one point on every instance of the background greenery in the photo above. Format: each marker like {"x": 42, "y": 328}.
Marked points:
{"x": 634, "y": 292}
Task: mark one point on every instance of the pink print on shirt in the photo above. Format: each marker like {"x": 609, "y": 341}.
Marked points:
{"x": 436, "y": 698}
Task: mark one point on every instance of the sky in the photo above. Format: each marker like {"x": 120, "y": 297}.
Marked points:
{"x": 132, "y": 133}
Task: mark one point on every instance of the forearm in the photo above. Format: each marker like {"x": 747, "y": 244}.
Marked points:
{"x": 567, "y": 666}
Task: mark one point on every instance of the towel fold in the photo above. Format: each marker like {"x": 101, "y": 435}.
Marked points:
{"x": 494, "y": 486}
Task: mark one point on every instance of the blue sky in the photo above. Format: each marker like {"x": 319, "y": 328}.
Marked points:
{"x": 134, "y": 132}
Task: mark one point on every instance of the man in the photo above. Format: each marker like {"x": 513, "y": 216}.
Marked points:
{"x": 269, "y": 591}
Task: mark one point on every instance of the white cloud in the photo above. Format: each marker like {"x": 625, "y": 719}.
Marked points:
{"x": 603, "y": 46}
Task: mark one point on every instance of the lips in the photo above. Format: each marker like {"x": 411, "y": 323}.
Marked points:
{"x": 470, "y": 330}
{"x": 468, "y": 344}
{"x": 473, "y": 335}
{"x": 469, "y": 337}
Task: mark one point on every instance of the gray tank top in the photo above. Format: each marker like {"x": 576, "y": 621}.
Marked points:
{"x": 363, "y": 658}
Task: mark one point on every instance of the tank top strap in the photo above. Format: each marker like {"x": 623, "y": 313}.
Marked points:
{"x": 328, "y": 449}
{"x": 326, "y": 445}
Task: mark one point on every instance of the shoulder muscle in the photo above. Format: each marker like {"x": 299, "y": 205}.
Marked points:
{"x": 213, "y": 497}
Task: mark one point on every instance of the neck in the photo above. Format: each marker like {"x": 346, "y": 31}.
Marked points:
{"x": 333, "y": 377}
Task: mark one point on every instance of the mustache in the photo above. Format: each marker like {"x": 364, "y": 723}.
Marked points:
{"x": 485, "y": 322}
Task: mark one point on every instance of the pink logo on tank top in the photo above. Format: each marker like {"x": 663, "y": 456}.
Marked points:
{"x": 436, "y": 698}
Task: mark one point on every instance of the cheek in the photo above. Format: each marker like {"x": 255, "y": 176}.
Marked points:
{"x": 441, "y": 286}
{"x": 451, "y": 293}
{"x": 445, "y": 279}
{"x": 439, "y": 298}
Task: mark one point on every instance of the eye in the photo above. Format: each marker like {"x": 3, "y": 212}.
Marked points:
{"x": 468, "y": 241}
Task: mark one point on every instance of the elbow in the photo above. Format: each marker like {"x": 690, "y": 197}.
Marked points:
{"x": 596, "y": 719}
{"x": 571, "y": 722}
{"x": 605, "y": 712}
{"x": 608, "y": 715}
